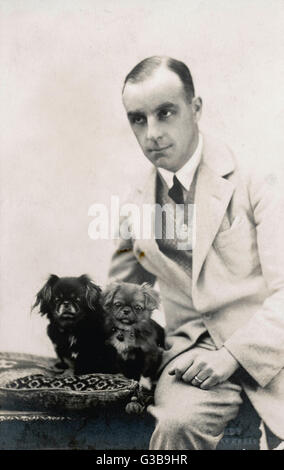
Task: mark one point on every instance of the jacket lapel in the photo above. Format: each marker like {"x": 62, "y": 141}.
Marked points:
{"x": 152, "y": 258}
{"x": 212, "y": 196}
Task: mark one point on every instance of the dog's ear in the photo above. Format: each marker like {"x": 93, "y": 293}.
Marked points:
{"x": 108, "y": 294}
{"x": 92, "y": 291}
{"x": 44, "y": 296}
{"x": 152, "y": 298}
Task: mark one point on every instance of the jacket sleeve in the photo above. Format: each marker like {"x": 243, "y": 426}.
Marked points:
{"x": 259, "y": 345}
{"x": 125, "y": 266}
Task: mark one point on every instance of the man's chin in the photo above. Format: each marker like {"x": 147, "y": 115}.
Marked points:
{"x": 161, "y": 161}
{"x": 165, "y": 164}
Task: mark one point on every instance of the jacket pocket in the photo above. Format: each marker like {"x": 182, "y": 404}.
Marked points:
{"x": 237, "y": 247}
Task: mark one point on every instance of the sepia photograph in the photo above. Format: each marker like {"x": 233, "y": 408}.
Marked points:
{"x": 142, "y": 226}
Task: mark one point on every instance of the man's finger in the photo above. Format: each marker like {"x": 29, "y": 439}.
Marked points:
{"x": 180, "y": 366}
{"x": 209, "y": 383}
{"x": 199, "y": 378}
{"x": 191, "y": 372}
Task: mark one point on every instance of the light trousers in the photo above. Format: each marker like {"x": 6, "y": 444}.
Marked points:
{"x": 188, "y": 417}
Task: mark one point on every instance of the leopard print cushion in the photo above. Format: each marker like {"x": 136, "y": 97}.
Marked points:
{"x": 29, "y": 382}
{"x": 84, "y": 383}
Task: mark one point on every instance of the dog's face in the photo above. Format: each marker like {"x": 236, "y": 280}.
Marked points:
{"x": 122, "y": 337}
{"x": 130, "y": 303}
{"x": 67, "y": 300}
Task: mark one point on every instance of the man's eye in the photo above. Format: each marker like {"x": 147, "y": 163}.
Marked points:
{"x": 165, "y": 113}
{"x": 139, "y": 120}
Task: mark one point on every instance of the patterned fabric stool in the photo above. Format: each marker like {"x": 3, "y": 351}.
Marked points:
{"x": 44, "y": 410}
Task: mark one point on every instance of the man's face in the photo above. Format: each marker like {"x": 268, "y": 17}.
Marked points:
{"x": 162, "y": 119}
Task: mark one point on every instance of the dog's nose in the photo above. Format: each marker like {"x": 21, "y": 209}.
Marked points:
{"x": 126, "y": 310}
{"x": 120, "y": 337}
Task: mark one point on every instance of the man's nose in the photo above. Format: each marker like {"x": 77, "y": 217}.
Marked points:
{"x": 154, "y": 131}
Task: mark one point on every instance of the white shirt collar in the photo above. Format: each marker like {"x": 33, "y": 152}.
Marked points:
{"x": 186, "y": 173}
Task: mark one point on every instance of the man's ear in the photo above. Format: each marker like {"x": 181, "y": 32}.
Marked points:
{"x": 197, "y": 107}
{"x": 152, "y": 298}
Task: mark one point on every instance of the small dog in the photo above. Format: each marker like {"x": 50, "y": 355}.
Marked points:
{"x": 75, "y": 316}
{"x": 135, "y": 341}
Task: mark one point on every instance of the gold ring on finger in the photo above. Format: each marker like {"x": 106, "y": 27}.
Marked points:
{"x": 198, "y": 380}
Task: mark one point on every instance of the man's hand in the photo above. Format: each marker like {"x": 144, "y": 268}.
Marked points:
{"x": 210, "y": 367}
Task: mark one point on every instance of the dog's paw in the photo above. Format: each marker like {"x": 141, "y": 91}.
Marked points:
{"x": 67, "y": 373}
{"x": 145, "y": 383}
{"x": 62, "y": 373}
{"x": 134, "y": 407}
{"x": 60, "y": 366}
{"x": 57, "y": 371}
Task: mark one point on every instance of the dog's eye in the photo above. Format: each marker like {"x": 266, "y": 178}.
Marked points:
{"x": 57, "y": 299}
{"x": 117, "y": 304}
{"x": 77, "y": 299}
{"x": 138, "y": 308}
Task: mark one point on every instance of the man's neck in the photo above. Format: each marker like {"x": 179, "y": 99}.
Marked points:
{"x": 186, "y": 172}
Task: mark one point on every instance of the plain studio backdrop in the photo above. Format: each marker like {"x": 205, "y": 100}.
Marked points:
{"x": 65, "y": 140}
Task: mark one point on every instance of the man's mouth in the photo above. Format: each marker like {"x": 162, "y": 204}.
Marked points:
{"x": 160, "y": 149}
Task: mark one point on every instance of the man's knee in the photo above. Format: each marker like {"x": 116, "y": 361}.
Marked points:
{"x": 192, "y": 420}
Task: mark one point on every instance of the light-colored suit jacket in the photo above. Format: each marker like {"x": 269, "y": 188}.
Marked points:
{"x": 237, "y": 281}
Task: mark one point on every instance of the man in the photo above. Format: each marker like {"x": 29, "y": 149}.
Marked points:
{"x": 224, "y": 299}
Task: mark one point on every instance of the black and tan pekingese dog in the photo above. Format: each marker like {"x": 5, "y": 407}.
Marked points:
{"x": 135, "y": 342}
{"x": 75, "y": 316}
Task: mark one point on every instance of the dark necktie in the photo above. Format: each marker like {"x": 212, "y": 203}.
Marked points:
{"x": 176, "y": 192}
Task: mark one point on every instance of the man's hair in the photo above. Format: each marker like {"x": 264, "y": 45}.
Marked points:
{"x": 146, "y": 67}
